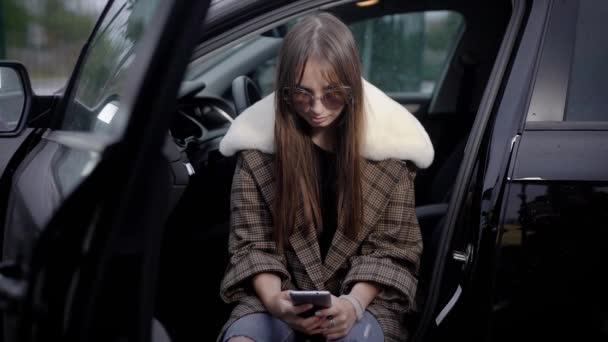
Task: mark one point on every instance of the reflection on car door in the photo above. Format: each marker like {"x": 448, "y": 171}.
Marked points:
{"x": 80, "y": 237}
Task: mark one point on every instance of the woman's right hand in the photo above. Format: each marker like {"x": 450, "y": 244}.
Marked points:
{"x": 281, "y": 306}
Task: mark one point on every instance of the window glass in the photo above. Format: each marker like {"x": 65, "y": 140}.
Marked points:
{"x": 95, "y": 105}
{"x": 264, "y": 76}
{"x": 12, "y": 99}
{"x": 399, "y": 53}
{"x": 587, "y": 99}
{"x": 407, "y": 52}
{"x": 46, "y": 36}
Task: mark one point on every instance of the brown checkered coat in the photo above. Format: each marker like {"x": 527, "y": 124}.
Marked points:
{"x": 387, "y": 250}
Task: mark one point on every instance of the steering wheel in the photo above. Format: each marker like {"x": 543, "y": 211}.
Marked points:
{"x": 244, "y": 93}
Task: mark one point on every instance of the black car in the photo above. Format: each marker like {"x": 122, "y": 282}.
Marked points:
{"x": 114, "y": 197}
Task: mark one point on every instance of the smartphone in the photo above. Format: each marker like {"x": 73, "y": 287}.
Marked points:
{"x": 319, "y": 299}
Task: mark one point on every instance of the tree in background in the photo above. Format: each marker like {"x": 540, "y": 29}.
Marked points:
{"x": 46, "y": 36}
{"x": 13, "y": 21}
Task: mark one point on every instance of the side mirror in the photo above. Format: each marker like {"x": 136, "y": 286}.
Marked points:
{"x": 15, "y": 97}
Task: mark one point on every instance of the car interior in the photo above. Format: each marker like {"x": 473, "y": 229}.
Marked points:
{"x": 220, "y": 85}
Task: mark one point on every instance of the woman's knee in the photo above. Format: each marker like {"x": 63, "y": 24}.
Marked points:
{"x": 240, "y": 339}
{"x": 367, "y": 329}
{"x": 259, "y": 327}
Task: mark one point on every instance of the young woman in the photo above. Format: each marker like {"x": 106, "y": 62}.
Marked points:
{"x": 323, "y": 199}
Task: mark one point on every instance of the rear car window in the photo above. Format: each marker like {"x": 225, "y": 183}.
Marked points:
{"x": 407, "y": 52}
{"x": 587, "y": 99}
{"x": 400, "y": 53}
{"x": 572, "y": 76}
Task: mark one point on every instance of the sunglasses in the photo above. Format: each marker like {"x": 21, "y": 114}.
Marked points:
{"x": 302, "y": 100}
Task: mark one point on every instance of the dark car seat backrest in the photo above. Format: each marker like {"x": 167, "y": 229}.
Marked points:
{"x": 441, "y": 186}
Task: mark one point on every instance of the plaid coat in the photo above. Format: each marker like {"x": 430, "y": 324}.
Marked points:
{"x": 386, "y": 251}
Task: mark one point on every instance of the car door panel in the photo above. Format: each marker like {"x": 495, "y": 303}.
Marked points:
{"x": 37, "y": 190}
{"x": 50, "y": 173}
{"x": 550, "y": 241}
{"x": 8, "y": 147}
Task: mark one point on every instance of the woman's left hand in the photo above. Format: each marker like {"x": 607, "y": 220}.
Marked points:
{"x": 339, "y": 318}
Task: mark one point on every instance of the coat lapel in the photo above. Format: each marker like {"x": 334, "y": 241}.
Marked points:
{"x": 306, "y": 247}
{"x": 379, "y": 178}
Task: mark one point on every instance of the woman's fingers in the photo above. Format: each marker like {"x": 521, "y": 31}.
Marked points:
{"x": 330, "y": 322}
{"x": 301, "y": 308}
{"x": 310, "y": 323}
{"x": 337, "y": 330}
{"x": 332, "y": 311}
{"x": 306, "y": 325}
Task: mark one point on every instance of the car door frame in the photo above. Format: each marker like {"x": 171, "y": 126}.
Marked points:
{"x": 92, "y": 222}
{"x": 491, "y": 174}
{"x": 449, "y": 298}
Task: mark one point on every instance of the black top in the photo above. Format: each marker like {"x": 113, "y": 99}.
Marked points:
{"x": 328, "y": 205}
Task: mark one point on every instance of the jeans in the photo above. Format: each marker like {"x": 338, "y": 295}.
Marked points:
{"x": 262, "y": 327}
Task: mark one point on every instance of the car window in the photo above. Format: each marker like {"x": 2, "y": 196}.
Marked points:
{"x": 400, "y": 53}
{"x": 264, "y": 76}
{"x": 572, "y": 72}
{"x": 406, "y": 53}
{"x": 586, "y": 99}
{"x": 94, "y": 106}
{"x": 93, "y": 111}
{"x": 47, "y": 37}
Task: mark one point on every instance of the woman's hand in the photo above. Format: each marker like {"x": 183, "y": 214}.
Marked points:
{"x": 337, "y": 319}
{"x": 281, "y": 306}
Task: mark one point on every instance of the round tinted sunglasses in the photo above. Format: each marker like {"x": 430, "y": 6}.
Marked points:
{"x": 302, "y": 100}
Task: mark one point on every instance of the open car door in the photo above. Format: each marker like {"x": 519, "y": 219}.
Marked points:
{"x": 87, "y": 205}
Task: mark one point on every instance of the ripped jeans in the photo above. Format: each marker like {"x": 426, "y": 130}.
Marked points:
{"x": 262, "y": 327}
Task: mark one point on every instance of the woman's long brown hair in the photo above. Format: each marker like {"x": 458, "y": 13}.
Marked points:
{"x": 324, "y": 38}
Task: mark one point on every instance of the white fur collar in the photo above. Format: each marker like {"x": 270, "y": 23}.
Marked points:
{"x": 391, "y": 130}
